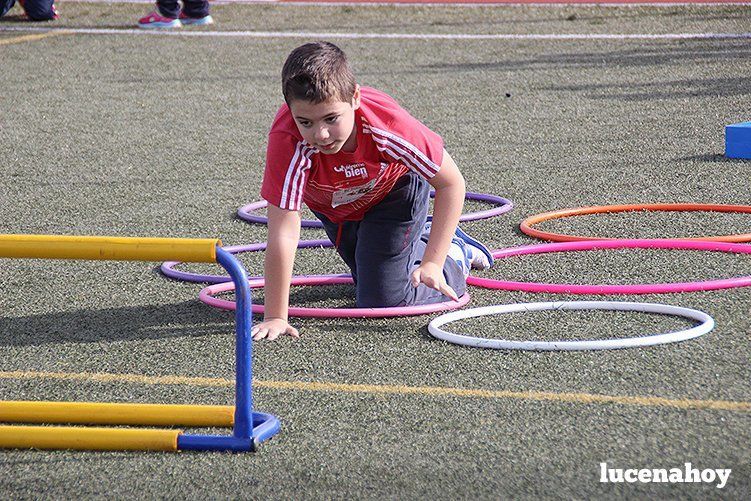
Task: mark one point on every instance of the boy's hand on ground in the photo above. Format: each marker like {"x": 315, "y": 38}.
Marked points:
{"x": 431, "y": 275}
{"x": 272, "y": 329}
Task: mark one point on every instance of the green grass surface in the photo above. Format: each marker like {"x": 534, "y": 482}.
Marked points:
{"x": 122, "y": 134}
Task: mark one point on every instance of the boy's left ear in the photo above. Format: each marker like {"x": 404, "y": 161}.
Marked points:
{"x": 356, "y": 98}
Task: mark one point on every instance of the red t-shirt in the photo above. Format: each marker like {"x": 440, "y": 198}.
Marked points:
{"x": 345, "y": 185}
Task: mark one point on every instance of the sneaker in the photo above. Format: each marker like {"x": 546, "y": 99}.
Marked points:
{"x": 465, "y": 250}
{"x": 195, "y": 21}
{"x": 155, "y": 20}
{"x": 458, "y": 252}
{"x": 479, "y": 256}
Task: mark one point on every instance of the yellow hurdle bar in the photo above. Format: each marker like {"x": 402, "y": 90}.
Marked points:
{"x": 87, "y": 439}
{"x": 191, "y": 416}
{"x": 193, "y": 250}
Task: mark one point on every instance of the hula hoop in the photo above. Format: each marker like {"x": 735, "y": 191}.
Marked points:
{"x": 503, "y": 205}
{"x": 207, "y": 296}
{"x": 706, "y": 325}
{"x": 663, "y": 288}
{"x": 246, "y": 213}
{"x": 527, "y": 225}
{"x": 168, "y": 267}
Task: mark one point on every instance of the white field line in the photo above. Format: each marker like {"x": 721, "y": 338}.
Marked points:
{"x": 394, "y": 36}
{"x": 459, "y": 3}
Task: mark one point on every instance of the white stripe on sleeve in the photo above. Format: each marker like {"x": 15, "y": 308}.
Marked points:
{"x": 408, "y": 153}
{"x": 301, "y": 176}
{"x": 293, "y": 187}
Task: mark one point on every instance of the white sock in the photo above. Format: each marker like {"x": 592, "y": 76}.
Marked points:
{"x": 456, "y": 252}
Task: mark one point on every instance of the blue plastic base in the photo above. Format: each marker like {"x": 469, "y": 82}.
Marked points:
{"x": 738, "y": 140}
{"x": 265, "y": 426}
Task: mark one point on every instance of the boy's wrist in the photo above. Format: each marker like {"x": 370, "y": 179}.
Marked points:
{"x": 268, "y": 319}
{"x": 432, "y": 262}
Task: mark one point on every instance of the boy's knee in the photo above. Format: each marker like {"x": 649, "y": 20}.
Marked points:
{"x": 379, "y": 299}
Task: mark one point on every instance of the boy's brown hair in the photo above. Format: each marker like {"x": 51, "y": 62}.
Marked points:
{"x": 317, "y": 72}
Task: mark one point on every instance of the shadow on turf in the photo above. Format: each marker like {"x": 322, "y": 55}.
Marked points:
{"x": 688, "y": 52}
{"x": 15, "y": 18}
{"x": 658, "y": 54}
{"x": 711, "y": 157}
{"x": 187, "y": 319}
{"x": 674, "y": 89}
{"x": 190, "y": 318}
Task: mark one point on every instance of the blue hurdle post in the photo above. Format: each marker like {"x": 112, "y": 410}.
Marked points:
{"x": 738, "y": 140}
{"x": 250, "y": 428}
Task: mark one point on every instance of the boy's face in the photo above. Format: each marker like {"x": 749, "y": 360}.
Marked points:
{"x": 330, "y": 125}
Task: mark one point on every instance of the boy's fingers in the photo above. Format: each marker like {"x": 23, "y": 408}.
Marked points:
{"x": 415, "y": 278}
{"x": 448, "y": 291}
{"x": 271, "y": 334}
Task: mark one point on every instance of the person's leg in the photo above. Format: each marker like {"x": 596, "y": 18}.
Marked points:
{"x": 40, "y": 10}
{"x": 195, "y": 9}
{"x": 5, "y": 6}
{"x": 168, "y": 8}
{"x": 390, "y": 244}
{"x": 344, "y": 237}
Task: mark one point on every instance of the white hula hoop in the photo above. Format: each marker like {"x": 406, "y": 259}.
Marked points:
{"x": 706, "y": 325}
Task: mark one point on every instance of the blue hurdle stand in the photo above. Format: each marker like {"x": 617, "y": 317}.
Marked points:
{"x": 738, "y": 140}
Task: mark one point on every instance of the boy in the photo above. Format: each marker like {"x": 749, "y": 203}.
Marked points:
{"x": 363, "y": 165}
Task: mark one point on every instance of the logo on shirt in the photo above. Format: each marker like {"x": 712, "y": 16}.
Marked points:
{"x": 353, "y": 170}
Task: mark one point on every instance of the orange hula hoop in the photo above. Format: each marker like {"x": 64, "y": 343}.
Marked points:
{"x": 527, "y": 225}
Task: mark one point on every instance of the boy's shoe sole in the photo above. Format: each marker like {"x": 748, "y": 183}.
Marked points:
{"x": 160, "y": 25}
{"x": 474, "y": 243}
{"x": 197, "y": 21}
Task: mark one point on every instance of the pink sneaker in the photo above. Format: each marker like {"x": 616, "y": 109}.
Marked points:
{"x": 155, "y": 20}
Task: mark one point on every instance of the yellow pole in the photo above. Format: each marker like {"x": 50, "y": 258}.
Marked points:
{"x": 194, "y": 416}
{"x": 87, "y": 439}
{"x": 196, "y": 250}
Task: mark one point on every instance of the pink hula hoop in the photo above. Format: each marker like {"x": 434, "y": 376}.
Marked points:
{"x": 207, "y": 296}
{"x": 663, "y": 288}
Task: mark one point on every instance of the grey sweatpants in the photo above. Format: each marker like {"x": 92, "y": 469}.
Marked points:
{"x": 384, "y": 248}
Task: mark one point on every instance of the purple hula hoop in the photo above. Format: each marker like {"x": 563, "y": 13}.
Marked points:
{"x": 207, "y": 296}
{"x": 504, "y": 205}
{"x": 663, "y": 288}
{"x": 168, "y": 267}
